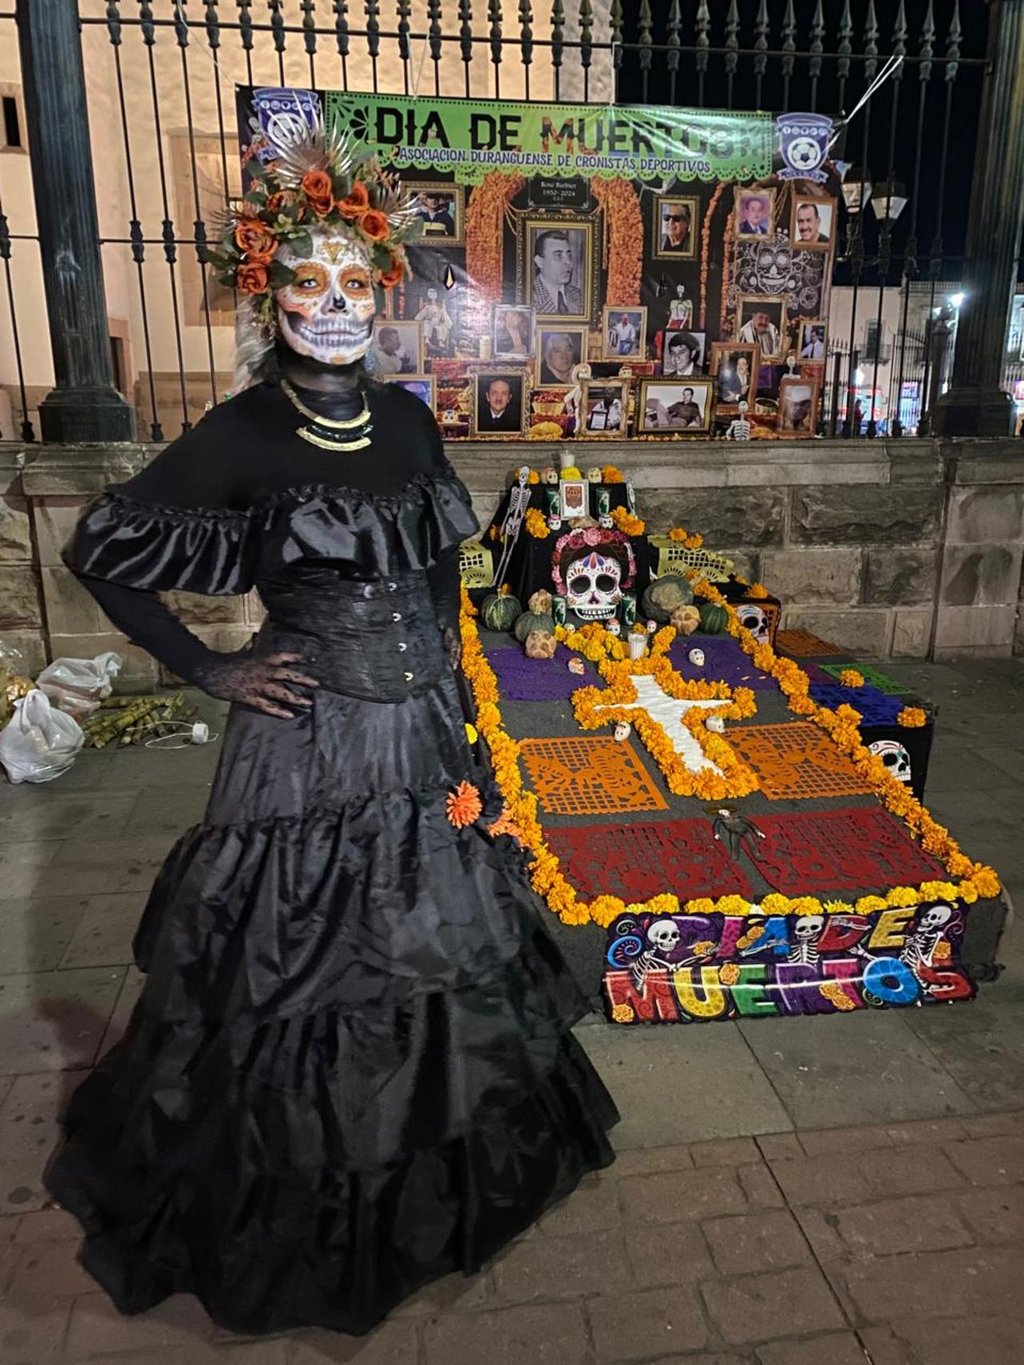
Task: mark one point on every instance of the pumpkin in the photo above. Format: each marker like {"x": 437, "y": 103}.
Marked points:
{"x": 664, "y": 595}
{"x": 713, "y": 618}
{"x": 499, "y": 611}
{"x": 540, "y": 645}
{"x": 533, "y": 620}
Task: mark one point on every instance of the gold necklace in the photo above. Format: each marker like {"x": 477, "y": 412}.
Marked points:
{"x": 331, "y": 433}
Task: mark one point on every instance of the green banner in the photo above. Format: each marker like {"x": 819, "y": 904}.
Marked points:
{"x": 469, "y": 138}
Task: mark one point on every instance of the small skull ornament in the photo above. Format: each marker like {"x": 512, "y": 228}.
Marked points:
{"x": 594, "y": 475}
{"x": 550, "y": 475}
{"x": 614, "y": 627}
{"x": 576, "y": 666}
{"x": 605, "y": 522}
{"x": 622, "y": 731}
{"x": 715, "y": 724}
{"x": 554, "y": 523}
{"x": 652, "y": 626}
{"x": 696, "y": 657}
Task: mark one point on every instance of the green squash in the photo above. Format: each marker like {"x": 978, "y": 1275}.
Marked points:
{"x": 664, "y": 595}
{"x": 499, "y": 611}
{"x": 533, "y": 620}
{"x": 713, "y": 618}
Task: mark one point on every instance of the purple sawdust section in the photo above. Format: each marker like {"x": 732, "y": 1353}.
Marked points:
{"x": 875, "y": 707}
{"x": 724, "y": 662}
{"x": 523, "y": 679}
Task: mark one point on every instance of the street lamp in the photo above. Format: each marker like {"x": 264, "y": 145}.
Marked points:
{"x": 888, "y": 200}
{"x": 856, "y": 188}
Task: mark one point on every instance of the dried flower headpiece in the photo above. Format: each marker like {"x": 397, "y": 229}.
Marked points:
{"x": 314, "y": 181}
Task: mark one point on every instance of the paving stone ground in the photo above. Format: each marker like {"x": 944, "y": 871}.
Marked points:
{"x": 844, "y": 1191}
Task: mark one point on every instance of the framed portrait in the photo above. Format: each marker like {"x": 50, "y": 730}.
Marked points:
{"x": 761, "y": 321}
{"x": 605, "y": 407}
{"x": 623, "y": 333}
{"x": 513, "y": 332}
{"x": 397, "y": 347}
{"x": 813, "y": 222}
{"x": 811, "y": 343}
{"x": 573, "y": 498}
{"x": 556, "y": 351}
{"x": 755, "y": 212}
{"x": 441, "y": 207}
{"x": 672, "y": 406}
{"x": 422, "y": 385}
{"x": 798, "y": 405}
{"x": 434, "y": 308}
{"x": 499, "y": 402}
{"x": 558, "y": 268}
{"x": 682, "y": 354}
{"x": 735, "y": 365}
{"x": 676, "y": 227}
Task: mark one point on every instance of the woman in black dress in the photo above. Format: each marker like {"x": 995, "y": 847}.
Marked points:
{"x": 350, "y": 1070}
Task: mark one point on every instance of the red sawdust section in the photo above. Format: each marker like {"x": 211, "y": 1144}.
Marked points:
{"x": 796, "y": 761}
{"x": 850, "y": 849}
{"x": 588, "y": 776}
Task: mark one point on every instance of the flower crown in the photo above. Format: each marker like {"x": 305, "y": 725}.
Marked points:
{"x": 313, "y": 181}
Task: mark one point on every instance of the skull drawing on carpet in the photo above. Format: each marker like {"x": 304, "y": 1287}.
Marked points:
{"x": 806, "y": 933}
{"x": 661, "y": 940}
{"x": 591, "y": 568}
{"x": 930, "y": 929}
{"x": 895, "y": 757}
{"x": 756, "y": 621}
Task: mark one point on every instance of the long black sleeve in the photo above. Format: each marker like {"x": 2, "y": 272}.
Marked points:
{"x": 445, "y": 587}
{"x": 150, "y": 623}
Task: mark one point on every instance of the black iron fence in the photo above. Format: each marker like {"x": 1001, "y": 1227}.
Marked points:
{"x": 160, "y": 80}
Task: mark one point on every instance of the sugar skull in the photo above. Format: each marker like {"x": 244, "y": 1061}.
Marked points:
{"x": 622, "y": 731}
{"x": 715, "y": 724}
{"x": 326, "y": 310}
{"x": 755, "y": 620}
{"x": 591, "y": 568}
{"x": 614, "y": 627}
{"x": 894, "y": 756}
{"x": 594, "y": 474}
{"x": 696, "y": 657}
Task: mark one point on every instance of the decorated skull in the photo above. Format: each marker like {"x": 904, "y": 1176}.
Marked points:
{"x": 594, "y": 474}
{"x": 593, "y": 586}
{"x": 614, "y": 627}
{"x": 755, "y": 620}
{"x": 716, "y": 724}
{"x": 622, "y": 731}
{"x": 808, "y": 927}
{"x": 696, "y": 657}
{"x": 326, "y": 310}
{"x": 894, "y": 756}
{"x": 663, "y": 935}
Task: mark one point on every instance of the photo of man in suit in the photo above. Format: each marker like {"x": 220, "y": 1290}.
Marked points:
{"x": 754, "y": 216}
{"x": 498, "y": 406}
{"x": 556, "y": 253}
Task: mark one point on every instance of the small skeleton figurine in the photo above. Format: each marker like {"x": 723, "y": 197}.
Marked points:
{"x": 518, "y": 502}
{"x": 739, "y": 427}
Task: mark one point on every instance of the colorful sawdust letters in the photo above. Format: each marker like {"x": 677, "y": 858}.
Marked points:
{"x": 583, "y": 775}
{"x": 639, "y": 861}
{"x": 796, "y": 761}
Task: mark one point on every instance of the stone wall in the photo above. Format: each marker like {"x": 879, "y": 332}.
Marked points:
{"x": 904, "y": 548}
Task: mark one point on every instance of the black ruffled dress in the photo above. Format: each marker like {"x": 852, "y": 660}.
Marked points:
{"x": 350, "y": 1070}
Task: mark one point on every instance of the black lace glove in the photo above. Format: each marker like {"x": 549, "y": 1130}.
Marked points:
{"x": 263, "y": 681}
{"x": 452, "y": 641}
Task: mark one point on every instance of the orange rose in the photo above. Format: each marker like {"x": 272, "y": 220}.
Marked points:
{"x": 252, "y": 279}
{"x": 394, "y": 273}
{"x": 375, "y": 224}
{"x": 316, "y": 186}
{"x": 256, "y": 242}
{"x": 280, "y": 199}
{"x": 356, "y": 202}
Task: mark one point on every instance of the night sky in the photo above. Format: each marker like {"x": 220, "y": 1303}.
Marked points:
{"x": 942, "y": 203}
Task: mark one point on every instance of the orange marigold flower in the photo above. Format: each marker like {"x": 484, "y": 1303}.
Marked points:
{"x": 533, "y": 477}
{"x": 623, "y": 1014}
{"x": 536, "y": 524}
{"x": 609, "y": 474}
{"x": 316, "y": 186}
{"x": 849, "y": 677}
{"x": 356, "y": 202}
{"x": 678, "y": 533}
{"x": 505, "y": 825}
{"x": 464, "y": 805}
{"x": 912, "y": 718}
{"x": 394, "y": 274}
{"x": 757, "y": 590}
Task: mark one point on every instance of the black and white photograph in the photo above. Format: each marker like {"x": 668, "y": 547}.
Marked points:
{"x": 397, "y": 348}
{"x": 675, "y": 405}
{"x": 441, "y": 208}
{"x": 761, "y": 322}
{"x": 499, "y": 402}
{"x": 434, "y": 309}
{"x": 513, "y": 332}
{"x": 735, "y": 368}
{"x": 558, "y": 268}
{"x": 625, "y": 333}
{"x": 754, "y": 211}
{"x": 558, "y": 350}
{"x": 682, "y": 354}
{"x": 604, "y": 408}
{"x": 813, "y": 222}
{"x": 676, "y": 227}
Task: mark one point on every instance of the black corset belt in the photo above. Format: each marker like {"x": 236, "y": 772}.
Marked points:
{"x": 378, "y": 640}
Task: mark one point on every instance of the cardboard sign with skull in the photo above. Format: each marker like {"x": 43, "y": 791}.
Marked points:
{"x": 591, "y": 568}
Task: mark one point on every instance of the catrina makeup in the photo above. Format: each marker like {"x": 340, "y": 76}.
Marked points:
{"x": 326, "y": 312}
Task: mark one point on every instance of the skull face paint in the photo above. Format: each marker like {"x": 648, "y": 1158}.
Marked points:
{"x": 327, "y": 310}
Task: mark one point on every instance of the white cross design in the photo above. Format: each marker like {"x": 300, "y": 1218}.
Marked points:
{"x": 669, "y": 713}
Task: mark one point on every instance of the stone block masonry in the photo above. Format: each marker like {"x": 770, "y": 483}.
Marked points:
{"x": 908, "y": 549}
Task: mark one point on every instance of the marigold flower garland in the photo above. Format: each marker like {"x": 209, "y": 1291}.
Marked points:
{"x": 975, "y": 880}
{"x": 626, "y": 522}
{"x": 536, "y": 524}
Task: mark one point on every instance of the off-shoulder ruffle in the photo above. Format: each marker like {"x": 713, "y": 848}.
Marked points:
{"x": 222, "y": 551}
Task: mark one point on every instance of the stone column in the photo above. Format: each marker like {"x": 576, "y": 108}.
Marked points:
{"x": 976, "y": 404}
{"x": 84, "y": 406}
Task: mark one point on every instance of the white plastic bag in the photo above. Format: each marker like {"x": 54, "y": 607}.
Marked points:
{"x": 39, "y": 742}
{"x": 77, "y": 686}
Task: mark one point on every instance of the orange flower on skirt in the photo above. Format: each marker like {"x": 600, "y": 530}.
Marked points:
{"x": 464, "y": 805}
